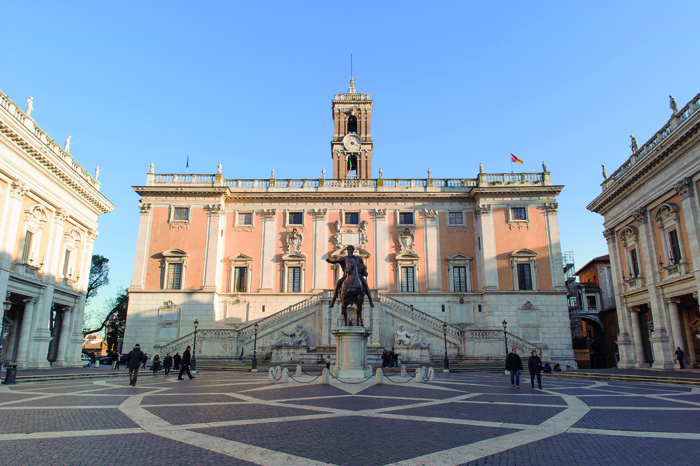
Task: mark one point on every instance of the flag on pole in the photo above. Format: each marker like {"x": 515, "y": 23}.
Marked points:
{"x": 188, "y": 160}
{"x": 515, "y": 159}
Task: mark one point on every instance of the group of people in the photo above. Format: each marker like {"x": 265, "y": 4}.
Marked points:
{"x": 390, "y": 359}
{"x": 534, "y": 365}
{"x": 136, "y": 359}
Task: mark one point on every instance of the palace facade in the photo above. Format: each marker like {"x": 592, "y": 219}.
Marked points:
{"x": 450, "y": 259}
{"x": 48, "y": 226}
{"x": 652, "y": 219}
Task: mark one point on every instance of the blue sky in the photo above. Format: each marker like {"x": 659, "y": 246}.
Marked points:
{"x": 249, "y": 84}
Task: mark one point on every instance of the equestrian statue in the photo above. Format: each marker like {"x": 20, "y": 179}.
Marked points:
{"x": 352, "y": 286}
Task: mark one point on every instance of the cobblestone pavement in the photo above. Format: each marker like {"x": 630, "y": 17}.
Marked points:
{"x": 243, "y": 419}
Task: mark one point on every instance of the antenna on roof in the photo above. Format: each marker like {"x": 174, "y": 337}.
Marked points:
{"x": 350, "y": 65}
{"x": 351, "y": 90}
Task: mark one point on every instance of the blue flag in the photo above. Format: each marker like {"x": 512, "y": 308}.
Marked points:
{"x": 188, "y": 161}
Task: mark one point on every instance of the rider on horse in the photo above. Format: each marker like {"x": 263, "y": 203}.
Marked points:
{"x": 361, "y": 268}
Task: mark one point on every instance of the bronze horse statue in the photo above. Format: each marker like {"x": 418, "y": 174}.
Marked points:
{"x": 352, "y": 291}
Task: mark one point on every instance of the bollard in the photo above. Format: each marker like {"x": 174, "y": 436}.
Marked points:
{"x": 431, "y": 374}
{"x": 379, "y": 374}
{"x": 278, "y": 372}
{"x": 285, "y": 375}
{"x": 11, "y": 374}
{"x": 97, "y": 362}
{"x": 271, "y": 374}
{"x": 419, "y": 375}
{"x": 325, "y": 376}
{"x": 403, "y": 371}
{"x": 298, "y": 373}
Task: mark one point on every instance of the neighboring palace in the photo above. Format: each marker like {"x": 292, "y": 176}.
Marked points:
{"x": 448, "y": 259}
{"x": 652, "y": 220}
{"x": 48, "y": 226}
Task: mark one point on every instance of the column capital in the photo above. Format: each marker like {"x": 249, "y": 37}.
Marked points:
{"x": 320, "y": 213}
{"x": 672, "y": 300}
{"x": 144, "y": 207}
{"x": 609, "y": 235}
{"x": 380, "y": 214}
{"x": 640, "y": 215}
{"x": 18, "y": 189}
{"x": 685, "y": 188}
{"x": 483, "y": 209}
{"x": 30, "y": 300}
{"x": 551, "y": 207}
{"x": 270, "y": 213}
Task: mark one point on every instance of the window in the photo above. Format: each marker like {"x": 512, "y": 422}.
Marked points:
{"x": 174, "y": 277}
{"x": 352, "y": 218}
{"x": 635, "y": 262}
{"x": 518, "y": 213}
{"x": 407, "y": 279}
{"x": 405, "y": 218}
{"x": 459, "y": 275}
{"x": 591, "y": 302}
{"x": 66, "y": 263}
{"x": 296, "y": 218}
{"x": 294, "y": 279}
{"x": 239, "y": 284}
{"x": 181, "y": 214}
{"x": 524, "y": 277}
{"x": 27, "y": 246}
{"x": 572, "y": 302}
{"x": 674, "y": 247}
{"x": 352, "y": 124}
{"x": 245, "y": 218}
{"x": 456, "y": 218}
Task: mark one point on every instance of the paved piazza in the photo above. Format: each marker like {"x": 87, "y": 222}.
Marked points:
{"x": 241, "y": 419}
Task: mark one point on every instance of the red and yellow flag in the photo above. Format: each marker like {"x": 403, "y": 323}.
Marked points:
{"x": 515, "y": 159}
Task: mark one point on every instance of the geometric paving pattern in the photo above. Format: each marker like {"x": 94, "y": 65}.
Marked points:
{"x": 241, "y": 418}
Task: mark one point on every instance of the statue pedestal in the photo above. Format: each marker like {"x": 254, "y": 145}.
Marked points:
{"x": 412, "y": 355}
{"x": 287, "y": 354}
{"x": 351, "y": 353}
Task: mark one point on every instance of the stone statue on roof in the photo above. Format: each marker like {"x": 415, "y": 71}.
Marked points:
{"x": 634, "y": 146}
{"x": 152, "y": 168}
{"x": 430, "y": 173}
{"x": 544, "y": 166}
{"x": 481, "y": 168}
{"x": 30, "y": 106}
{"x": 674, "y": 105}
{"x": 97, "y": 172}
{"x": 67, "y": 146}
{"x": 323, "y": 173}
{"x": 218, "y": 169}
{"x": 381, "y": 173}
{"x": 605, "y": 172}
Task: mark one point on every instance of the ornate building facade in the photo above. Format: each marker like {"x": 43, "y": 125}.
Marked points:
{"x": 467, "y": 253}
{"x": 48, "y": 226}
{"x": 652, "y": 219}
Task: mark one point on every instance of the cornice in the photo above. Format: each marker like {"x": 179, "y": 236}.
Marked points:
{"x": 516, "y": 190}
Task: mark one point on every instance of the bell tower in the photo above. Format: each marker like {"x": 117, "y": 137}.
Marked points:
{"x": 352, "y": 145}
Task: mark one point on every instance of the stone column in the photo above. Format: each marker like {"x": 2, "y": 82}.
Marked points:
{"x": 691, "y": 215}
{"x": 138, "y": 279}
{"x": 64, "y": 336}
{"x": 267, "y": 266}
{"x": 676, "y": 330}
{"x": 381, "y": 250}
{"x": 638, "y": 342}
{"x": 9, "y": 229}
{"x": 624, "y": 341}
{"x": 690, "y": 356}
{"x": 433, "y": 280}
{"x": 25, "y": 332}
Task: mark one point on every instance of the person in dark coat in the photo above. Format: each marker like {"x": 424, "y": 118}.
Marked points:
{"x": 114, "y": 356}
{"x": 328, "y": 361}
{"x": 177, "y": 360}
{"x": 534, "y": 365}
{"x": 156, "y": 365}
{"x": 385, "y": 357}
{"x": 167, "y": 363}
{"x": 514, "y": 365}
{"x": 186, "y": 361}
{"x": 547, "y": 368}
{"x": 134, "y": 359}
{"x": 679, "y": 356}
{"x": 144, "y": 361}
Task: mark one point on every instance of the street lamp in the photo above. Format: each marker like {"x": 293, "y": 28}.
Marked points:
{"x": 446, "y": 368}
{"x": 6, "y": 306}
{"x": 254, "y": 366}
{"x": 505, "y": 335}
{"x": 194, "y": 346}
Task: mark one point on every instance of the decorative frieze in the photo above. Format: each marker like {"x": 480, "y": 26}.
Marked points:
{"x": 685, "y": 188}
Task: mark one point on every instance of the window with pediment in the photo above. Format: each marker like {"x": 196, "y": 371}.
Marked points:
{"x": 634, "y": 275}
{"x": 459, "y": 273}
{"x": 518, "y": 217}
{"x": 174, "y": 269}
{"x": 34, "y": 220}
{"x": 524, "y": 270}
{"x": 668, "y": 219}
{"x": 240, "y": 272}
{"x": 407, "y": 269}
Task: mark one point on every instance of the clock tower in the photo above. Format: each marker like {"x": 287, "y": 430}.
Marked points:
{"x": 352, "y": 145}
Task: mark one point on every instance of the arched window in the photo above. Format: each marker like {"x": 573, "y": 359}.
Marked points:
{"x": 352, "y": 124}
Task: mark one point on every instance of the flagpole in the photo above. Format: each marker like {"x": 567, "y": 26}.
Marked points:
{"x": 187, "y": 165}
{"x": 511, "y": 162}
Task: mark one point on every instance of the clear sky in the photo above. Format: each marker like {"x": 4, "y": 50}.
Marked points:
{"x": 249, "y": 84}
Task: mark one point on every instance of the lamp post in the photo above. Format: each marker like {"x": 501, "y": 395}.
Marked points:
{"x": 6, "y": 306}
{"x": 254, "y": 366}
{"x": 446, "y": 368}
{"x": 194, "y": 346}
{"x": 505, "y": 335}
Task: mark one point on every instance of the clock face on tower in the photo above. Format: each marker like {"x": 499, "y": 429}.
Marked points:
{"x": 352, "y": 142}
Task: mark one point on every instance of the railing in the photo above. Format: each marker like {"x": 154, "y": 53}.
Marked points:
{"x": 691, "y": 108}
{"x": 49, "y": 143}
{"x": 414, "y": 313}
{"x": 179, "y": 343}
{"x": 484, "y": 334}
{"x": 285, "y": 313}
{"x": 522, "y": 344}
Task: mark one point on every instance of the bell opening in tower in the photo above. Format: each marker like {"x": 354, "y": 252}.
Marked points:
{"x": 352, "y": 124}
{"x": 353, "y": 168}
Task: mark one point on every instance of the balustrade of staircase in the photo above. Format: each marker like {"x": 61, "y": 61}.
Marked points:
{"x": 522, "y": 344}
{"x": 286, "y": 313}
{"x": 421, "y": 316}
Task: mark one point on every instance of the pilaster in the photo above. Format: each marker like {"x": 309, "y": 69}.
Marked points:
{"x": 138, "y": 279}
{"x": 381, "y": 250}
{"x": 691, "y": 215}
{"x": 485, "y": 231}
{"x": 212, "y": 264}
{"x": 432, "y": 255}
{"x": 25, "y": 332}
{"x": 9, "y": 228}
{"x": 640, "y": 359}
{"x": 320, "y": 267}
{"x": 554, "y": 245}
{"x": 624, "y": 339}
{"x": 267, "y": 265}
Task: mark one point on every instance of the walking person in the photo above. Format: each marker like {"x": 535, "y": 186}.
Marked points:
{"x": 134, "y": 360}
{"x": 534, "y": 365}
{"x": 514, "y": 365}
{"x": 177, "y": 360}
{"x": 328, "y": 361}
{"x": 679, "y": 356}
{"x": 144, "y": 361}
{"x": 185, "y": 364}
{"x": 167, "y": 363}
{"x": 156, "y": 365}
{"x": 115, "y": 358}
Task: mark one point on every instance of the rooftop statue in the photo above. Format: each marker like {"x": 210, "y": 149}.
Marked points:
{"x": 381, "y": 173}
{"x": 273, "y": 174}
{"x": 67, "y": 146}
{"x": 481, "y": 168}
{"x": 430, "y": 174}
{"x": 634, "y": 146}
{"x": 323, "y": 173}
{"x": 218, "y": 169}
{"x": 605, "y": 172}
{"x": 152, "y": 168}
{"x": 674, "y": 105}
{"x": 97, "y": 172}
{"x": 544, "y": 167}
{"x": 30, "y": 106}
